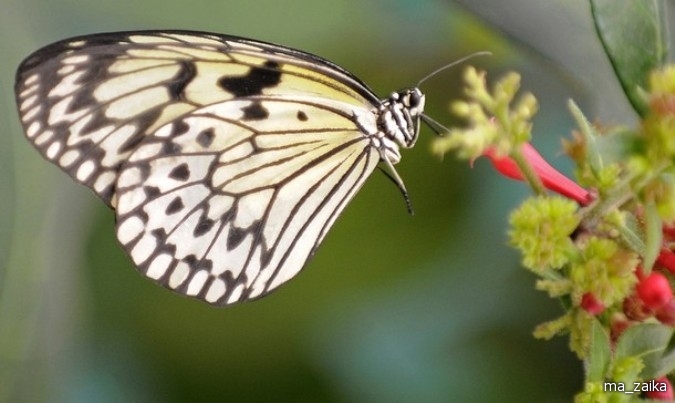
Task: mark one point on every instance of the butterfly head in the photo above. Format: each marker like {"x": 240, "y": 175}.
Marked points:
{"x": 400, "y": 116}
{"x": 413, "y": 99}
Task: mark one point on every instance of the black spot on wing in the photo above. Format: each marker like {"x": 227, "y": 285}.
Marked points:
{"x": 151, "y": 191}
{"x": 171, "y": 148}
{"x": 237, "y": 235}
{"x": 203, "y": 226}
{"x": 302, "y": 116}
{"x": 205, "y": 138}
{"x": 253, "y": 83}
{"x": 255, "y": 111}
{"x": 180, "y": 173}
{"x": 234, "y": 237}
{"x": 179, "y": 127}
{"x": 175, "y": 206}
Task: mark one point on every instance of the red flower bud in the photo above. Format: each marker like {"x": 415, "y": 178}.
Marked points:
{"x": 662, "y": 389}
{"x": 666, "y": 314}
{"x": 654, "y": 290}
{"x": 666, "y": 259}
{"x": 591, "y": 304}
{"x": 668, "y": 232}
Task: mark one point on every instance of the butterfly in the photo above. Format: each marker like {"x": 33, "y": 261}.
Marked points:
{"x": 226, "y": 160}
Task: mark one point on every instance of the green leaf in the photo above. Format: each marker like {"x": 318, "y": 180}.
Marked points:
{"x": 667, "y": 364}
{"x": 631, "y": 31}
{"x": 631, "y": 233}
{"x": 593, "y": 155}
{"x": 653, "y": 237}
{"x": 650, "y": 343}
{"x": 599, "y": 355}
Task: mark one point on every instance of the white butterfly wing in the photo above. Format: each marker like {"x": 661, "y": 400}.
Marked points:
{"x": 226, "y": 208}
{"x": 86, "y": 103}
{"x": 226, "y": 160}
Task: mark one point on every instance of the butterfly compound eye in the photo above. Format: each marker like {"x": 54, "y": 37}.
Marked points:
{"x": 414, "y": 100}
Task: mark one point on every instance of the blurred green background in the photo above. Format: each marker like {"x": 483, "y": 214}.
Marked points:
{"x": 394, "y": 308}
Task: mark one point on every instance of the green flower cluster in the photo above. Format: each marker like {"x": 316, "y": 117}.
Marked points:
{"x": 541, "y": 228}
{"x": 492, "y": 121}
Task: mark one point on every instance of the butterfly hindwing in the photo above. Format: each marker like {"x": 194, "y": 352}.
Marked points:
{"x": 227, "y": 208}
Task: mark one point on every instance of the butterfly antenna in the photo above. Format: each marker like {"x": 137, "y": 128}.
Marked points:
{"x": 437, "y": 127}
{"x": 452, "y": 64}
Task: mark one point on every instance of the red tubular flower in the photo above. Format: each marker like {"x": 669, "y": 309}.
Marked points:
{"x": 549, "y": 176}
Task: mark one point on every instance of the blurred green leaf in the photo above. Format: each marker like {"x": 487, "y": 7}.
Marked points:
{"x": 649, "y": 342}
{"x": 598, "y": 359}
{"x": 667, "y": 362}
{"x": 631, "y": 31}
{"x": 653, "y": 237}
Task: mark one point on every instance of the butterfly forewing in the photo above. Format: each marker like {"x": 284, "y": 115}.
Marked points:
{"x": 226, "y": 160}
{"x": 86, "y": 103}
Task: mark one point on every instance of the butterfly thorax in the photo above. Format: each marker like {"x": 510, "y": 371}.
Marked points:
{"x": 398, "y": 121}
